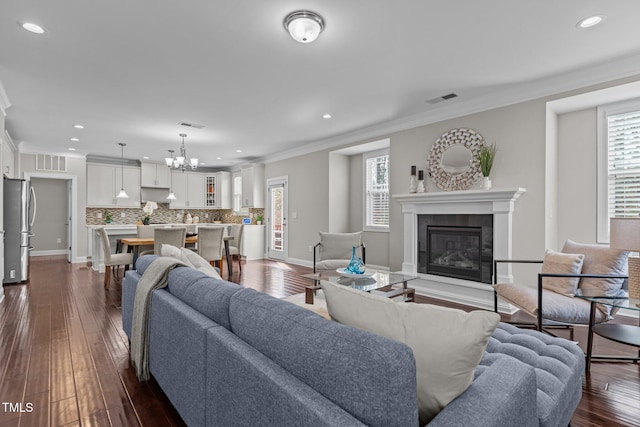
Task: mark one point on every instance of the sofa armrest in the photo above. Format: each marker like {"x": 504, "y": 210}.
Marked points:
{"x": 505, "y": 394}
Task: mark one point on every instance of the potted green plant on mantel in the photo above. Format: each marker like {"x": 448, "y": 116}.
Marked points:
{"x": 107, "y": 217}
{"x": 259, "y": 219}
{"x": 485, "y": 157}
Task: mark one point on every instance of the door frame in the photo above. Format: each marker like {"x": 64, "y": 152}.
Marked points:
{"x": 284, "y": 182}
{"x": 72, "y": 252}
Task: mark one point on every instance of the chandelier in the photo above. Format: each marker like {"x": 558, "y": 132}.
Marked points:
{"x": 181, "y": 162}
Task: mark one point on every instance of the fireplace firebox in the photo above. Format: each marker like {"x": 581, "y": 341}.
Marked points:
{"x": 457, "y": 246}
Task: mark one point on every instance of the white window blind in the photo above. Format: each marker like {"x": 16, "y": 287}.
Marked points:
{"x": 377, "y": 192}
{"x": 623, "y": 136}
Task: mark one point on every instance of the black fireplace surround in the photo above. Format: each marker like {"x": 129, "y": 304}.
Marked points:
{"x": 458, "y": 246}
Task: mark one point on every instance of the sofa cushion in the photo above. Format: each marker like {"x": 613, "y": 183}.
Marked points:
{"x": 558, "y": 365}
{"x": 190, "y": 258}
{"x": 562, "y": 263}
{"x": 356, "y": 370}
{"x": 447, "y": 343}
{"x": 143, "y": 262}
{"x": 205, "y": 294}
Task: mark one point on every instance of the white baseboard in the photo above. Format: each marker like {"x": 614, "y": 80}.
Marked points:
{"x": 48, "y": 253}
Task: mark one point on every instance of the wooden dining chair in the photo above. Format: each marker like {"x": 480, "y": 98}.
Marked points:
{"x": 111, "y": 260}
{"x": 174, "y": 236}
{"x": 211, "y": 244}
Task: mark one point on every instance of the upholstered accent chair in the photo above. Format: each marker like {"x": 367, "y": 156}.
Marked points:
{"x": 174, "y": 236}
{"x": 579, "y": 269}
{"x": 334, "y": 250}
{"x": 235, "y": 244}
{"x": 211, "y": 244}
{"x": 111, "y": 260}
{"x": 146, "y": 232}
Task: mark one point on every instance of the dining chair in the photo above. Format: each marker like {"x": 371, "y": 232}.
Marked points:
{"x": 112, "y": 260}
{"x": 211, "y": 245}
{"x": 146, "y": 232}
{"x": 174, "y": 236}
{"x": 235, "y": 245}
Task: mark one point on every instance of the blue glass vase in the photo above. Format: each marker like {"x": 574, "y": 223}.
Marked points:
{"x": 356, "y": 266}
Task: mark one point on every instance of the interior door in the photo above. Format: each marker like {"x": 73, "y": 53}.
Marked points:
{"x": 277, "y": 218}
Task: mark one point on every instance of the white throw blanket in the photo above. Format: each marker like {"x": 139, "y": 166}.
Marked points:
{"x": 154, "y": 277}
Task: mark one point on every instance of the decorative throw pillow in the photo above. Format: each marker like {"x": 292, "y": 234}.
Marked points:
{"x": 190, "y": 258}
{"x": 447, "y": 343}
{"x": 562, "y": 263}
{"x": 599, "y": 259}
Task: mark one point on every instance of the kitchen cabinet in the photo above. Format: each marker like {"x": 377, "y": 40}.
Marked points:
{"x": 189, "y": 190}
{"x": 155, "y": 175}
{"x": 8, "y": 161}
{"x": 104, "y": 182}
{"x": 218, "y": 190}
{"x": 253, "y": 187}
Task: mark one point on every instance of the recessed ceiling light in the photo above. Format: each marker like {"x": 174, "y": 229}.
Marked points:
{"x": 72, "y": 149}
{"x": 326, "y": 116}
{"x": 78, "y": 126}
{"x": 590, "y": 21}
{"x": 238, "y": 151}
{"x": 31, "y": 27}
{"x": 74, "y": 139}
{"x": 218, "y": 158}
{"x": 145, "y": 157}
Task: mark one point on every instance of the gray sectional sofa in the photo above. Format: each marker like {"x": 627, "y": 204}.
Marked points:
{"x": 228, "y": 355}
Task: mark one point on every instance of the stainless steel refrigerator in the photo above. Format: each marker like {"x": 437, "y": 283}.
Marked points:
{"x": 19, "y": 213}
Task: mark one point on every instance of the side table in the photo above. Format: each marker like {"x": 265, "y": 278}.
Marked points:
{"x": 624, "y": 334}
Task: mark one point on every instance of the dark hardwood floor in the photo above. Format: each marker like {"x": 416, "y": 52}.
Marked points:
{"x": 65, "y": 359}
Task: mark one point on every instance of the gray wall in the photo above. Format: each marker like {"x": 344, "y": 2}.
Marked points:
{"x": 560, "y": 202}
{"x": 76, "y": 167}
{"x": 51, "y": 219}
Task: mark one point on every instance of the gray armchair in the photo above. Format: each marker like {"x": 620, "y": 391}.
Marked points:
{"x": 592, "y": 270}
{"x": 334, "y": 250}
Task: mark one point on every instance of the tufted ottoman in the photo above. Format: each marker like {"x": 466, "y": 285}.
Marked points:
{"x": 558, "y": 364}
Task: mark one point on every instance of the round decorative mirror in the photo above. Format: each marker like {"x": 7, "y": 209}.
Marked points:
{"x": 453, "y": 159}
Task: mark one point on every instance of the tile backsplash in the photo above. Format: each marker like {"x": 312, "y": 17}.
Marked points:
{"x": 164, "y": 215}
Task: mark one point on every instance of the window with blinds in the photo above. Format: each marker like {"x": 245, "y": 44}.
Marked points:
{"x": 377, "y": 192}
{"x": 623, "y": 140}
{"x": 618, "y": 176}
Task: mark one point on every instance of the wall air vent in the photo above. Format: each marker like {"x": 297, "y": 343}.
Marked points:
{"x": 191, "y": 125}
{"x": 442, "y": 98}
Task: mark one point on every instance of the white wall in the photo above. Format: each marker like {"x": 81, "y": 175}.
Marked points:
{"x": 339, "y": 193}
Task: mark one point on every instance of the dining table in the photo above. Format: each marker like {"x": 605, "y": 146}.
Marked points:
{"x": 134, "y": 244}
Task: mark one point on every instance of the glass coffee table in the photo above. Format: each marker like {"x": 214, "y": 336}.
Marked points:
{"x": 389, "y": 285}
{"x": 624, "y": 334}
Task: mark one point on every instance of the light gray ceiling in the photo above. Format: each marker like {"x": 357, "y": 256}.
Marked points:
{"x": 131, "y": 71}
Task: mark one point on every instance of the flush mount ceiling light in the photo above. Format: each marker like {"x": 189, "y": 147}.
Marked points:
{"x": 304, "y": 26}
{"x": 180, "y": 162}
{"x": 591, "y": 21}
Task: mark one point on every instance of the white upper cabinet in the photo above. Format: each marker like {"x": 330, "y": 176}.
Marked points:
{"x": 189, "y": 190}
{"x": 218, "y": 190}
{"x": 253, "y": 187}
{"x": 155, "y": 175}
{"x": 104, "y": 183}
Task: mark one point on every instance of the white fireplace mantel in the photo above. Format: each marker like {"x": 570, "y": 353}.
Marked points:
{"x": 498, "y": 202}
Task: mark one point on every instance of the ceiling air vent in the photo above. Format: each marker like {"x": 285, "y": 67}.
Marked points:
{"x": 442, "y": 98}
{"x": 191, "y": 125}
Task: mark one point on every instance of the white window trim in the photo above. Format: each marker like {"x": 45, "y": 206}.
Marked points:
{"x": 365, "y": 157}
{"x": 602, "y": 190}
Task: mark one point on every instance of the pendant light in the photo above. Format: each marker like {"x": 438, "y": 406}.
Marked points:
{"x": 181, "y": 161}
{"x": 171, "y": 196}
{"x": 122, "y": 194}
